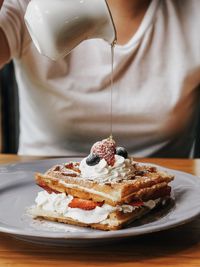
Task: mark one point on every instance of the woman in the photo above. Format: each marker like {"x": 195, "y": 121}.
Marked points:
{"x": 65, "y": 105}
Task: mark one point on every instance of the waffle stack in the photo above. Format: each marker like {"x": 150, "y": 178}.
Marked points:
{"x": 102, "y": 203}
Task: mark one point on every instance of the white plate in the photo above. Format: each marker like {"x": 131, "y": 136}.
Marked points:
{"x": 18, "y": 191}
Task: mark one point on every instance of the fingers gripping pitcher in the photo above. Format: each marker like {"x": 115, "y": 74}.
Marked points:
{"x": 58, "y": 26}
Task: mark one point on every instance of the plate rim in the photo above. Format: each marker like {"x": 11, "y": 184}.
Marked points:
{"x": 98, "y": 234}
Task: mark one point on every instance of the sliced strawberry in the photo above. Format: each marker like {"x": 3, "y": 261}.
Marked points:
{"x": 69, "y": 165}
{"x": 137, "y": 203}
{"x": 84, "y": 204}
{"x": 47, "y": 188}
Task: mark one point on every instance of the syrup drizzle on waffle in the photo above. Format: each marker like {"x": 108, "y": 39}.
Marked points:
{"x": 111, "y": 91}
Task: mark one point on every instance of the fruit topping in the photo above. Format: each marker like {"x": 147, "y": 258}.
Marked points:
{"x": 137, "y": 203}
{"x": 69, "y": 165}
{"x": 84, "y": 204}
{"x": 121, "y": 151}
{"x": 47, "y": 188}
{"x": 105, "y": 149}
{"x": 92, "y": 159}
{"x": 73, "y": 166}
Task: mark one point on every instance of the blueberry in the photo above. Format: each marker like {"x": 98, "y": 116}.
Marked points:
{"x": 121, "y": 151}
{"x": 92, "y": 159}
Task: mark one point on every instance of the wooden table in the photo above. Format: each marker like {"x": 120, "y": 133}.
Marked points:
{"x": 176, "y": 247}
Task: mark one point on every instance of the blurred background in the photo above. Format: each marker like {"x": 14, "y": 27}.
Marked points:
{"x": 9, "y": 111}
{"x": 9, "y": 114}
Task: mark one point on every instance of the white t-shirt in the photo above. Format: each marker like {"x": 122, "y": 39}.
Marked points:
{"x": 65, "y": 105}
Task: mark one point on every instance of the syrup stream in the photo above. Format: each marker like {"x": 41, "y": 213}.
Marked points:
{"x": 111, "y": 91}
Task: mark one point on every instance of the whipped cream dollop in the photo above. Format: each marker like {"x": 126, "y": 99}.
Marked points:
{"x": 102, "y": 172}
{"x": 58, "y": 204}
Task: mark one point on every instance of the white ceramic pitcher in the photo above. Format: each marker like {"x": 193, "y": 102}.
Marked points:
{"x": 57, "y": 26}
